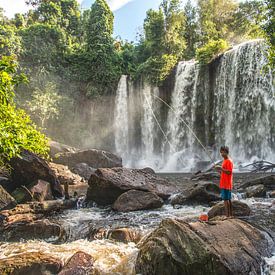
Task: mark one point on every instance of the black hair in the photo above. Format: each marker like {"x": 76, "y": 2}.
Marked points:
{"x": 225, "y": 149}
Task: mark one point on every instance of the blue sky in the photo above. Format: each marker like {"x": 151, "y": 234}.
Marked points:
{"x": 129, "y": 14}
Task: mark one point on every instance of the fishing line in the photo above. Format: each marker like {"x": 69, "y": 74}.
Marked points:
{"x": 186, "y": 124}
{"x": 165, "y": 136}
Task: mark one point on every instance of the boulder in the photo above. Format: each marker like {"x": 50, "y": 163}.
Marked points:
{"x": 6, "y": 200}
{"x": 224, "y": 247}
{"x": 39, "y": 190}
{"x": 31, "y": 263}
{"x": 240, "y": 209}
{"x": 93, "y": 158}
{"x": 57, "y": 148}
{"x": 84, "y": 170}
{"x": 107, "y": 184}
{"x": 272, "y": 194}
{"x": 30, "y": 230}
{"x": 134, "y": 200}
{"x": 29, "y": 168}
{"x": 202, "y": 193}
{"x": 124, "y": 235}
{"x": 65, "y": 175}
{"x": 268, "y": 181}
{"x": 80, "y": 263}
{"x": 210, "y": 175}
{"x": 256, "y": 191}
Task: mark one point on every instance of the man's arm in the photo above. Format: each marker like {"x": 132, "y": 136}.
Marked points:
{"x": 228, "y": 172}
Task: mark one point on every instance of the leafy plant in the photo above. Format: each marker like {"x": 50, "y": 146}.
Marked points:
{"x": 17, "y": 131}
{"x": 213, "y": 48}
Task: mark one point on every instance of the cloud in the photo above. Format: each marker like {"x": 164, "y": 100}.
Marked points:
{"x": 117, "y": 4}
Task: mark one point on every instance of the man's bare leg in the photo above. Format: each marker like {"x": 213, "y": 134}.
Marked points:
{"x": 226, "y": 206}
{"x": 230, "y": 209}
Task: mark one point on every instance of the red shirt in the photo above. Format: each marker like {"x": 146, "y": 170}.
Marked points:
{"x": 226, "y": 180}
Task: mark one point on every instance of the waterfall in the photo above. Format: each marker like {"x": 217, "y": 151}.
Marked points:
{"x": 121, "y": 118}
{"x": 148, "y": 126}
{"x": 183, "y": 101}
{"x": 229, "y": 101}
{"x": 244, "y": 102}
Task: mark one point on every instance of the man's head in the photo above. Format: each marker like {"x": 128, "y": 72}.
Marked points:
{"x": 224, "y": 151}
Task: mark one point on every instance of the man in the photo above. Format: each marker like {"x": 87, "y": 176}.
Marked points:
{"x": 226, "y": 180}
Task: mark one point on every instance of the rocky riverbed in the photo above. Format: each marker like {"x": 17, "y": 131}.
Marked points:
{"x": 131, "y": 221}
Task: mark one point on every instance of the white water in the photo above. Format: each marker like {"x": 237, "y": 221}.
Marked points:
{"x": 183, "y": 101}
{"x": 244, "y": 103}
{"x": 111, "y": 258}
{"x": 234, "y": 106}
{"x": 121, "y": 118}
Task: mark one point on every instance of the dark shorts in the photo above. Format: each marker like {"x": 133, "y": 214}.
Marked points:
{"x": 226, "y": 194}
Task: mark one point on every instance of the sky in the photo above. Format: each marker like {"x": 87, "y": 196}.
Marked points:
{"x": 129, "y": 14}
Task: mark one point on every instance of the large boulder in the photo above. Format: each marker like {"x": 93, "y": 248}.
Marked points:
{"x": 93, "y": 158}
{"x": 80, "y": 263}
{"x": 6, "y": 200}
{"x": 256, "y": 191}
{"x": 65, "y": 175}
{"x": 31, "y": 230}
{"x": 240, "y": 209}
{"x": 134, "y": 200}
{"x": 107, "y": 184}
{"x": 224, "y": 247}
{"x": 29, "y": 168}
{"x": 202, "y": 193}
{"x": 31, "y": 263}
{"x": 268, "y": 181}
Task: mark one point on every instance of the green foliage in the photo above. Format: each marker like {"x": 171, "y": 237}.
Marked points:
{"x": 191, "y": 30}
{"x": 100, "y": 56}
{"x": 269, "y": 28}
{"x": 9, "y": 41}
{"x": 44, "y": 104}
{"x": 248, "y": 19}
{"x": 164, "y": 43}
{"x": 43, "y": 46}
{"x": 17, "y": 131}
{"x": 156, "y": 69}
{"x": 215, "y": 18}
{"x": 213, "y": 48}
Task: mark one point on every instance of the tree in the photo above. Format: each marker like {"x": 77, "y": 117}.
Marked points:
{"x": 102, "y": 60}
{"x": 9, "y": 40}
{"x": 215, "y": 18}
{"x": 17, "y": 131}
{"x": 269, "y": 27}
{"x": 44, "y": 104}
{"x": 163, "y": 44}
{"x": 191, "y": 30}
{"x": 44, "y": 46}
{"x": 247, "y": 20}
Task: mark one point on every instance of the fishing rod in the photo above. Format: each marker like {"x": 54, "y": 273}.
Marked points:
{"x": 186, "y": 124}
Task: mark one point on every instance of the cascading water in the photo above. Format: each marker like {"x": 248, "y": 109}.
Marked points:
{"x": 180, "y": 137}
{"x": 244, "y": 103}
{"x": 121, "y": 118}
{"x": 230, "y": 101}
{"x": 148, "y": 126}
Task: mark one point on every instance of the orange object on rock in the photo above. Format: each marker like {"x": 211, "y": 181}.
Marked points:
{"x": 203, "y": 218}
